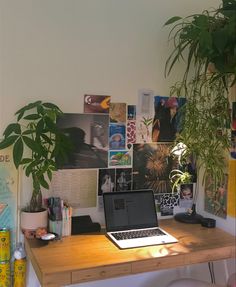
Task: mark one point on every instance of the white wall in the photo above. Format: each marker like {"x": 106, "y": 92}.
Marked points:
{"x": 58, "y": 50}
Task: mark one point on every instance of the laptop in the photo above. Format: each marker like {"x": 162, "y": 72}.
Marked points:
{"x": 131, "y": 219}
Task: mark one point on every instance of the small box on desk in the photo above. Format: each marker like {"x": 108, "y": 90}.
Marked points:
{"x": 84, "y": 224}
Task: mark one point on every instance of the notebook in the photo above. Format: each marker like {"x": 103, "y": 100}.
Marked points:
{"x": 131, "y": 219}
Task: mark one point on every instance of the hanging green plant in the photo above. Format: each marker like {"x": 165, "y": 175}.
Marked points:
{"x": 206, "y": 40}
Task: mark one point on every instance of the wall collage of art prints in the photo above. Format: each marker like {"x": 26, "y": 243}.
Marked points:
{"x": 127, "y": 147}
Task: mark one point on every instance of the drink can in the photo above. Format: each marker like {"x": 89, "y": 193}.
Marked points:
{"x": 19, "y": 272}
{"x": 5, "y": 279}
{"x": 4, "y": 244}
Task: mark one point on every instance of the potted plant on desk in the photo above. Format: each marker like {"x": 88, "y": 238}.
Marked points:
{"x": 36, "y": 143}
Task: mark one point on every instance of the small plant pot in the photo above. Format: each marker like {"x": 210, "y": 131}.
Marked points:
{"x": 30, "y": 221}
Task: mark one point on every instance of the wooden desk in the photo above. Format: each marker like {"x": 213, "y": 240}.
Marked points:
{"x": 82, "y": 258}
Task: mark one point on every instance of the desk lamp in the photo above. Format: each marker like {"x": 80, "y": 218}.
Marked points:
{"x": 191, "y": 215}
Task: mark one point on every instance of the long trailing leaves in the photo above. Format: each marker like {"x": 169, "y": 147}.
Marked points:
{"x": 36, "y": 142}
{"x": 205, "y": 125}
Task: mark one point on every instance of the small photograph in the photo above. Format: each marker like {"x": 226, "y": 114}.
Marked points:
{"x": 131, "y": 112}
{"x": 123, "y": 179}
{"x": 144, "y": 129}
{"x": 106, "y": 180}
{"x": 168, "y": 201}
{"x": 117, "y": 113}
{"x": 120, "y": 158}
{"x": 234, "y": 116}
{"x": 145, "y": 102}
{"x": 168, "y": 118}
{"x": 186, "y": 195}
{"x": 233, "y": 145}
{"x": 96, "y": 104}
{"x": 89, "y": 137}
{"x": 116, "y": 136}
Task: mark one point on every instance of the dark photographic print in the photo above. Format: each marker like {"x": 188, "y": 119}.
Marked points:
{"x": 123, "y": 179}
{"x": 186, "y": 195}
{"x": 131, "y": 112}
{"x": 168, "y": 118}
{"x": 89, "y": 137}
{"x": 96, "y": 104}
{"x": 106, "y": 180}
{"x": 152, "y": 165}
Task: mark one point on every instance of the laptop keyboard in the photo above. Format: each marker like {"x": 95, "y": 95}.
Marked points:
{"x": 137, "y": 234}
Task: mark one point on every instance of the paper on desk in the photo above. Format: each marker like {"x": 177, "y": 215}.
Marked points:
{"x": 77, "y": 187}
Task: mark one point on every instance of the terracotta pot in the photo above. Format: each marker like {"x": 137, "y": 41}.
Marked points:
{"x": 30, "y": 221}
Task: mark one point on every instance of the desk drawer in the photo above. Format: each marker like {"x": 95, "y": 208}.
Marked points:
{"x": 100, "y": 273}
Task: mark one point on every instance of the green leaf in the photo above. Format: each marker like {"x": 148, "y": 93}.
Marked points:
{"x": 49, "y": 173}
{"x": 28, "y": 107}
{"x": 32, "y": 117}
{"x": 26, "y": 161}
{"x": 172, "y": 20}
{"x": 34, "y": 146}
{"x": 51, "y": 125}
{"x": 43, "y": 182}
{"x": 47, "y": 139}
{"x": 40, "y": 126}
{"x": 220, "y": 39}
{"x": 18, "y": 152}
{"x": 51, "y": 106}
{"x": 8, "y": 141}
{"x": 15, "y": 127}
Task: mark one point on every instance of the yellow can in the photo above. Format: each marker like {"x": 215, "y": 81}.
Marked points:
{"x": 19, "y": 272}
{"x": 4, "y": 244}
{"x": 5, "y": 276}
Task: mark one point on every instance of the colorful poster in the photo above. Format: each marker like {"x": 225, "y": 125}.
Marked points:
{"x": 152, "y": 164}
{"x": 122, "y": 158}
{"x": 96, "y": 104}
{"x": 8, "y": 194}
{"x": 168, "y": 118}
{"x": 216, "y": 197}
{"x": 231, "y": 196}
{"x": 117, "y": 113}
{"x": 116, "y": 136}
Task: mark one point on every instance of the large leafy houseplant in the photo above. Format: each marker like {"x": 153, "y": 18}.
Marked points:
{"x": 204, "y": 41}
{"x": 36, "y": 143}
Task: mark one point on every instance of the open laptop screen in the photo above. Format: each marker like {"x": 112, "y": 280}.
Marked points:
{"x": 129, "y": 210}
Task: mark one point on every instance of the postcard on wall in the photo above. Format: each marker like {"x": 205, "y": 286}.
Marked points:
{"x": 117, "y": 113}
{"x": 122, "y": 158}
{"x": 77, "y": 187}
{"x": 168, "y": 118}
{"x": 106, "y": 180}
{"x": 144, "y": 129}
{"x": 131, "y": 116}
{"x": 131, "y": 132}
{"x": 123, "y": 179}
{"x": 96, "y": 104}
{"x": 117, "y": 136}
{"x": 216, "y": 198}
{"x": 8, "y": 194}
{"x": 145, "y": 102}
{"x": 152, "y": 164}
{"x": 186, "y": 195}
{"x": 89, "y": 136}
